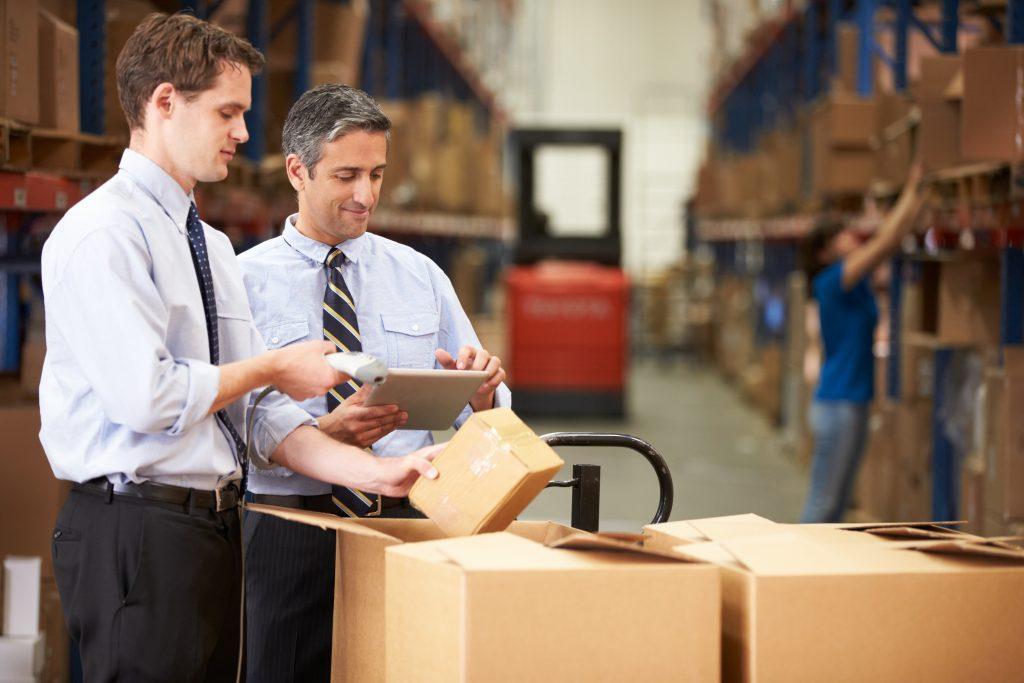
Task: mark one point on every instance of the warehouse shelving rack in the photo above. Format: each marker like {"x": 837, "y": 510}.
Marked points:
{"x": 787, "y": 63}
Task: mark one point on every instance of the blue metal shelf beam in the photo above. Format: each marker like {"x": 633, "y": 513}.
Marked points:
{"x": 92, "y": 46}
{"x": 257, "y": 28}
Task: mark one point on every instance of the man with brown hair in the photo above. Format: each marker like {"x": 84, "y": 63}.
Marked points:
{"x": 151, "y": 359}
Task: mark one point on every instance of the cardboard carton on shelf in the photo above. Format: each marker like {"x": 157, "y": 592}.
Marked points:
{"x": 493, "y": 467}
{"x": 501, "y": 607}
{"x": 992, "y": 110}
{"x": 58, "y": 74}
{"x": 808, "y": 602}
{"x": 938, "y": 137}
{"x": 19, "y": 61}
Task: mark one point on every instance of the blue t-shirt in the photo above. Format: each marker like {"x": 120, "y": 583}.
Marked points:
{"x": 848, "y": 320}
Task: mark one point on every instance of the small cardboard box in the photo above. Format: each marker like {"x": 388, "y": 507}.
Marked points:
{"x": 859, "y": 602}
{"x": 991, "y": 127}
{"x": 498, "y": 607}
{"x": 359, "y": 628}
{"x": 58, "y": 74}
{"x": 490, "y": 471}
{"x": 938, "y": 137}
{"x": 19, "y": 87}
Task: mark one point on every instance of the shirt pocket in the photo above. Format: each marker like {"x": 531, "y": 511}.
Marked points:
{"x": 411, "y": 338}
{"x": 234, "y": 326}
{"x": 285, "y": 332}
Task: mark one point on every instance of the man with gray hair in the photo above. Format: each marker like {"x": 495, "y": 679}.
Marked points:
{"x": 326, "y": 277}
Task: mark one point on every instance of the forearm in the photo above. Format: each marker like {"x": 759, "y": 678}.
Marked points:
{"x": 241, "y": 377}
{"x": 312, "y": 453}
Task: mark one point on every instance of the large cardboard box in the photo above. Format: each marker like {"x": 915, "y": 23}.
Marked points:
{"x": 499, "y": 607}
{"x": 359, "y": 588}
{"x": 842, "y": 129}
{"x": 490, "y": 471}
{"x": 19, "y": 86}
{"x": 992, "y": 109}
{"x": 30, "y": 496}
{"x": 938, "y": 137}
{"x": 58, "y": 74}
{"x": 835, "y": 603}
{"x": 847, "y": 121}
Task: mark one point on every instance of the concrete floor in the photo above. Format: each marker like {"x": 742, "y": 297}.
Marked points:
{"x": 723, "y": 455}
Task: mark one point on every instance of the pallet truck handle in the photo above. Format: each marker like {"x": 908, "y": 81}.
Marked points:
{"x": 665, "y": 490}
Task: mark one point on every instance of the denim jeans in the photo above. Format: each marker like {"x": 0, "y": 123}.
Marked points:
{"x": 840, "y": 431}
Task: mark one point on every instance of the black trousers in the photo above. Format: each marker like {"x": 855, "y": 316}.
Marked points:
{"x": 289, "y": 598}
{"x": 150, "y": 591}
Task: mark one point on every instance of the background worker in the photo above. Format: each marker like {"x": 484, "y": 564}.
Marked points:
{"x": 839, "y": 265}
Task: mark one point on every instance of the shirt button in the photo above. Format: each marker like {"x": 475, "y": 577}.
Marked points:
{"x": 415, "y": 328}
{"x": 274, "y": 340}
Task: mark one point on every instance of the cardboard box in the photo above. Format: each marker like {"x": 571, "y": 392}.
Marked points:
{"x": 21, "y": 596}
{"x": 827, "y": 603}
{"x": 847, "y": 121}
{"x": 19, "y": 88}
{"x": 991, "y": 124}
{"x": 58, "y": 74}
{"x": 501, "y": 607}
{"x": 359, "y": 589}
{"x": 30, "y": 496}
{"x": 490, "y": 471}
{"x": 938, "y": 136}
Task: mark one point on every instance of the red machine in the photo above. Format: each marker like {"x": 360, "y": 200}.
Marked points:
{"x": 568, "y": 299}
{"x": 568, "y": 334}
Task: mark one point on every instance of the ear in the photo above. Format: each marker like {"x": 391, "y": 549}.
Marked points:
{"x": 163, "y": 100}
{"x": 296, "y": 172}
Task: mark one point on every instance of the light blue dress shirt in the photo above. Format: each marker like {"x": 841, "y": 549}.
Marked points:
{"x": 127, "y": 383}
{"x": 406, "y": 308}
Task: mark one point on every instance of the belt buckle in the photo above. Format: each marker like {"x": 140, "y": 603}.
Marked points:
{"x": 221, "y": 499}
{"x": 379, "y": 506}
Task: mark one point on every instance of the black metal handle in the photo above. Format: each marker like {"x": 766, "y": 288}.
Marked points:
{"x": 622, "y": 441}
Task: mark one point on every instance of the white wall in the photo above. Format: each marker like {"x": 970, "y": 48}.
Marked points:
{"x": 640, "y": 65}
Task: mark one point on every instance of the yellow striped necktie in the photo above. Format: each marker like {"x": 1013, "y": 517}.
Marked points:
{"x": 341, "y": 328}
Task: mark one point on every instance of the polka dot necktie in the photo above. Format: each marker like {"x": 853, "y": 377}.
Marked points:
{"x": 341, "y": 328}
{"x": 201, "y": 261}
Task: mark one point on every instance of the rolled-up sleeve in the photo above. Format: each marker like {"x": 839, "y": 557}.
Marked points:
{"x": 108, "y": 302}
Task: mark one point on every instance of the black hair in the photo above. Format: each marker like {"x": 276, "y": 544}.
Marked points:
{"x": 816, "y": 241}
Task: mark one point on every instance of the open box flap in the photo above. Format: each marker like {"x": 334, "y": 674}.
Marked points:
{"x": 990, "y": 548}
{"x": 621, "y": 543}
{"x": 318, "y": 519}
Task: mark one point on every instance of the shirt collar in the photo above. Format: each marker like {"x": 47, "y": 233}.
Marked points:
{"x": 318, "y": 251}
{"x": 159, "y": 185}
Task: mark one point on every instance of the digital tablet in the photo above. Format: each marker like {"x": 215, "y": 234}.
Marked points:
{"x": 433, "y": 398}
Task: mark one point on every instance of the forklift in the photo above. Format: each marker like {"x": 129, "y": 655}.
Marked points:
{"x": 567, "y": 297}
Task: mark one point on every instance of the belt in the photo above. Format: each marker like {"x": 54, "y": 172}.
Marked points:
{"x": 225, "y": 498}
{"x": 322, "y": 503}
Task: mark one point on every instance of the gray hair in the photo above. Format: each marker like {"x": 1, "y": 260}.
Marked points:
{"x": 326, "y": 113}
